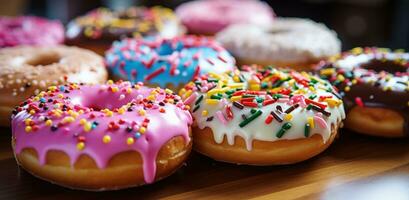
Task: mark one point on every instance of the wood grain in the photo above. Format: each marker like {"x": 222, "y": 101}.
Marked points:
{"x": 350, "y": 169}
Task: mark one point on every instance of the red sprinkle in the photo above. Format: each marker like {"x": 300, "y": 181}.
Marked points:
{"x": 155, "y": 73}
{"x": 268, "y": 102}
{"x": 309, "y": 101}
{"x": 249, "y": 104}
{"x": 269, "y": 119}
{"x": 359, "y": 102}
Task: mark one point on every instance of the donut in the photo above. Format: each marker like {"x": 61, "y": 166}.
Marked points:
{"x": 288, "y": 42}
{"x": 374, "y": 83}
{"x": 262, "y": 116}
{"x": 101, "y": 137}
{"x": 100, "y": 27}
{"x": 30, "y": 30}
{"x": 169, "y": 63}
{"x": 206, "y": 17}
{"x": 26, "y": 70}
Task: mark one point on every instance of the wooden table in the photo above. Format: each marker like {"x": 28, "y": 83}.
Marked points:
{"x": 354, "y": 167}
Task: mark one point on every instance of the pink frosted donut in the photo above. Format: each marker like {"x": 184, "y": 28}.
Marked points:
{"x": 102, "y": 137}
{"x": 30, "y": 30}
{"x": 210, "y": 16}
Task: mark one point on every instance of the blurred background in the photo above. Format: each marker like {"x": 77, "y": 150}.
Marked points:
{"x": 383, "y": 23}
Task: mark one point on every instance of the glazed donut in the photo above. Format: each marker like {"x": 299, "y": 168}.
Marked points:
{"x": 288, "y": 42}
{"x": 375, "y": 85}
{"x": 206, "y": 17}
{"x": 100, "y": 27}
{"x": 262, "y": 117}
{"x": 26, "y": 70}
{"x": 169, "y": 63}
{"x": 102, "y": 137}
{"x": 29, "y": 30}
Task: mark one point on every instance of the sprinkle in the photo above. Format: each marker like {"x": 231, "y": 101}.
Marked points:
{"x": 80, "y": 146}
{"x": 318, "y": 119}
{"x": 205, "y": 113}
{"x": 106, "y": 139}
{"x": 268, "y": 102}
{"x": 142, "y": 130}
{"x": 359, "y": 102}
{"x": 142, "y": 112}
{"x": 28, "y": 129}
{"x": 196, "y": 108}
{"x": 238, "y": 105}
{"x": 251, "y": 118}
{"x": 221, "y": 118}
{"x": 229, "y": 112}
{"x": 49, "y": 122}
{"x": 307, "y": 130}
{"x": 199, "y": 99}
{"x": 87, "y": 127}
{"x": 277, "y": 117}
{"x": 310, "y": 121}
{"x": 269, "y": 119}
{"x": 292, "y": 108}
{"x": 250, "y": 104}
{"x": 309, "y": 101}
{"x": 155, "y": 73}
{"x": 191, "y": 98}
{"x": 209, "y": 119}
{"x": 283, "y": 129}
{"x": 321, "y": 111}
{"x": 130, "y": 141}
{"x": 288, "y": 117}
{"x": 212, "y": 101}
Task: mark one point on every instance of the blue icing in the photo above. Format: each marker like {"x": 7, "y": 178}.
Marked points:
{"x": 126, "y": 51}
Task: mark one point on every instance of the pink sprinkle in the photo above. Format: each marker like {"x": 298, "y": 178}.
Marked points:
{"x": 320, "y": 121}
{"x": 220, "y": 116}
{"x": 190, "y": 99}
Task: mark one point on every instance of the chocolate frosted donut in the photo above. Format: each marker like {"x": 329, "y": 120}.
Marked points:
{"x": 100, "y": 27}
{"x": 26, "y": 70}
{"x": 298, "y": 43}
{"x": 375, "y": 86}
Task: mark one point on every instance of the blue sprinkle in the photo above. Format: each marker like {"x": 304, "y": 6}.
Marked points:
{"x": 42, "y": 100}
{"x": 137, "y": 135}
{"x": 62, "y": 88}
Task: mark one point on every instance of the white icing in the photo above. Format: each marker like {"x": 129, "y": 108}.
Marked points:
{"x": 258, "y": 129}
{"x": 285, "y": 40}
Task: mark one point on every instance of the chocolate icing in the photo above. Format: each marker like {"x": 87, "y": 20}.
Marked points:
{"x": 373, "y": 94}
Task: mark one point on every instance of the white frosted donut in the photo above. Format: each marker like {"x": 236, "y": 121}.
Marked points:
{"x": 263, "y": 117}
{"x": 286, "y": 42}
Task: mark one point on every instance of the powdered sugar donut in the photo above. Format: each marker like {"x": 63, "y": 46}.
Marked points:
{"x": 101, "y": 137}
{"x": 211, "y": 16}
{"x": 288, "y": 42}
{"x": 30, "y": 30}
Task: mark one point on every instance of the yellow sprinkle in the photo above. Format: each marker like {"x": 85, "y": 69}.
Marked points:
{"x": 204, "y": 113}
{"x": 357, "y": 50}
{"x": 328, "y": 71}
{"x": 340, "y": 77}
{"x": 347, "y": 89}
{"x": 255, "y": 87}
{"x": 236, "y": 79}
{"x": 114, "y": 89}
{"x": 168, "y": 91}
{"x": 109, "y": 113}
{"x": 28, "y": 129}
{"x": 121, "y": 111}
{"x": 212, "y": 101}
{"x": 311, "y": 88}
{"x": 288, "y": 117}
{"x": 386, "y": 88}
{"x": 32, "y": 112}
{"x": 142, "y": 112}
{"x": 36, "y": 99}
{"x": 214, "y": 75}
{"x": 310, "y": 121}
{"x": 60, "y": 96}
{"x": 87, "y": 127}
{"x": 106, "y": 139}
{"x": 80, "y": 145}
{"x": 214, "y": 91}
{"x": 130, "y": 141}
{"x": 48, "y": 122}
{"x": 354, "y": 81}
{"x": 68, "y": 119}
{"x": 110, "y": 82}
{"x": 182, "y": 92}
{"x": 129, "y": 90}
{"x": 27, "y": 121}
{"x": 151, "y": 97}
{"x": 236, "y": 85}
{"x": 142, "y": 130}
{"x": 137, "y": 87}
{"x": 332, "y": 102}
{"x": 83, "y": 121}
{"x": 235, "y": 98}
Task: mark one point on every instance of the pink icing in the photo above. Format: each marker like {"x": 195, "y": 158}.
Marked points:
{"x": 211, "y": 16}
{"x": 165, "y": 121}
{"x": 30, "y": 30}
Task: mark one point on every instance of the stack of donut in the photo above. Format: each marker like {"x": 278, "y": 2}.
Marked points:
{"x": 282, "y": 103}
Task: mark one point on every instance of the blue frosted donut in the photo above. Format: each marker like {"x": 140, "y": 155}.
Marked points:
{"x": 167, "y": 62}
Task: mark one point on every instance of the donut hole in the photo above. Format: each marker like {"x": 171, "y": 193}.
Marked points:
{"x": 44, "y": 59}
{"x": 380, "y": 65}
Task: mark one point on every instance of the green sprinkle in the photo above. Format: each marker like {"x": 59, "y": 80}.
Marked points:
{"x": 199, "y": 99}
{"x": 215, "y": 97}
{"x": 252, "y": 111}
{"x": 283, "y": 129}
{"x": 307, "y": 130}
{"x": 196, "y": 108}
{"x": 277, "y": 96}
{"x": 309, "y": 107}
{"x": 312, "y": 97}
{"x": 251, "y": 118}
{"x": 229, "y": 92}
{"x": 314, "y": 81}
{"x": 264, "y": 85}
